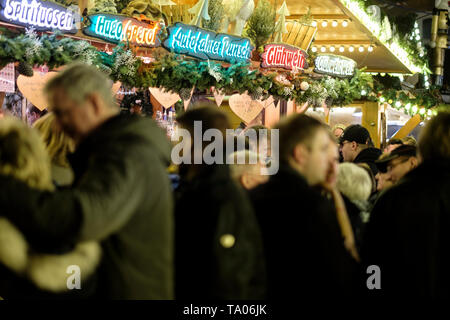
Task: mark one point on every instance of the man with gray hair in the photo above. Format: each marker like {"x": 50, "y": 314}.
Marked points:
{"x": 121, "y": 195}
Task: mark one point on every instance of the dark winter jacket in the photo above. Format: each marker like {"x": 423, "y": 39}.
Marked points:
{"x": 369, "y": 155}
{"x": 302, "y": 240}
{"x": 408, "y": 234}
{"x": 121, "y": 197}
{"x": 218, "y": 253}
{"x": 27, "y": 274}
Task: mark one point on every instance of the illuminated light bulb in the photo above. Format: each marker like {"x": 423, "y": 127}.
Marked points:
{"x": 332, "y": 49}
{"x": 416, "y": 25}
{"x": 363, "y": 92}
{"x": 370, "y": 49}
{"x": 414, "y": 109}
{"x": 417, "y": 31}
{"x": 417, "y": 38}
{"x": 382, "y": 74}
{"x": 314, "y": 49}
{"x": 382, "y": 99}
{"x": 430, "y": 113}
{"x": 408, "y": 106}
{"x": 334, "y": 24}
{"x": 422, "y": 111}
{"x": 324, "y": 23}
{"x": 398, "y": 104}
{"x": 425, "y": 77}
{"x": 345, "y": 23}
{"x": 341, "y": 49}
{"x": 314, "y": 23}
{"x": 361, "y": 49}
{"x": 323, "y": 49}
{"x": 351, "y": 49}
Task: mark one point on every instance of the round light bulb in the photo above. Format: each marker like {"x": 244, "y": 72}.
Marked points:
{"x": 341, "y": 49}
{"x": 370, "y": 49}
{"x": 408, "y": 106}
{"x": 345, "y": 23}
{"x": 314, "y": 23}
{"x": 314, "y": 49}
{"x": 398, "y": 104}
{"x": 332, "y": 49}
{"x": 361, "y": 49}
{"x": 363, "y": 92}
{"x": 334, "y": 24}
{"x": 324, "y": 23}
{"x": 382, "y": 99}
{"x": 422, "y": 111}
{"x": 417, "y": 38}
{"x": 414, "y": 109}
{"x": 351, "y": 49}
{"x": 323, "y": 49}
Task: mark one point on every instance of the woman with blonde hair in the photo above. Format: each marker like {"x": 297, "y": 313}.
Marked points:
{"x": 58, "y": 146}
{"x": 32, "y": 267}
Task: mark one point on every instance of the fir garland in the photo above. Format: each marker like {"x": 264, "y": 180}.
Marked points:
{"x": 177, "y": 73}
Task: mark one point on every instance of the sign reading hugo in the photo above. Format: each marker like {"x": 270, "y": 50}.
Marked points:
{"x": 41, "y": 15}
{"x": 204, "y": 44}
{"x": 117, "y": 28}
{"x": 334, "y": 65}
{"x": 279, "y": 55}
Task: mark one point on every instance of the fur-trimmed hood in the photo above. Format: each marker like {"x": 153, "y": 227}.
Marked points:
{"x": 47, "y": 272}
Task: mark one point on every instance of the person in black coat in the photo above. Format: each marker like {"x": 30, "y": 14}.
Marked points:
{"x": 121, "y": 195}
{"x": 407, "y": 236}
{"x": 357, "y": 147}
{"x": 303, "y": 243}
{"x": 218, "y": 246}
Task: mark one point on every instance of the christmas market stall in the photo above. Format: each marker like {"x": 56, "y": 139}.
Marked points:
{"x": 343, "y": 60}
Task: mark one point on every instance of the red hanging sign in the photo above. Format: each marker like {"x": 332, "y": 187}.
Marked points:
{"x": 278, "y": 55}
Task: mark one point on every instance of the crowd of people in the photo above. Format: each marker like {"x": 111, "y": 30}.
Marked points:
{"x": 89, "y": 187}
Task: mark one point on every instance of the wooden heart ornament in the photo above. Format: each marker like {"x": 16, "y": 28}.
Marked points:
{"x": 245, "y": 107}
{"x": 32, "y": 88}
{"x": 167, "y": 99}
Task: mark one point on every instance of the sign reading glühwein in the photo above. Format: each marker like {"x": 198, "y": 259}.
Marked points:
{"x": 117, "y": 28}
{"x": 41, "y": 15}
{"x": 278, "y": 55}
{"x": 204, "y": 44}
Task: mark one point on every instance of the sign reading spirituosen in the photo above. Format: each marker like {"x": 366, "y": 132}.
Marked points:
{"x": 117, "y": 28}
{"x": 334, "y": 65}
{"x": 41, "y": 15}
{"x": 277, "y": 55}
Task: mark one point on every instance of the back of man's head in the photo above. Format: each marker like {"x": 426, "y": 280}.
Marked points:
{"x": 294, "y": 130}
{"x": 79, "y": 80}
{"x": 434, "y": 141}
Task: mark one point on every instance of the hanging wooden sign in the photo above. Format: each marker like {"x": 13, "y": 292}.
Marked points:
{"x": 278, "y": 55}
{"x": 118, "y": 28}
{"x": 335, "y": 65}
{"x": 204, "y": 44}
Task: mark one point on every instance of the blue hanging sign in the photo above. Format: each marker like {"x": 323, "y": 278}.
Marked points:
{"x": 41, "y": 15}
{"x": 204, "y": 44}
{"x": 117, "y": 28}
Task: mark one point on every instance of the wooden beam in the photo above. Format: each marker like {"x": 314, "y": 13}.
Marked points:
{"x": 408, "y": 127}
{"x": 343, "y": 42}
{"x": 320, "y": 17}
{"x": 371, "y": 120}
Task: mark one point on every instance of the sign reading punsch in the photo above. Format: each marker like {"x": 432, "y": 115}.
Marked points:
{"x": 278, "y": 55}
